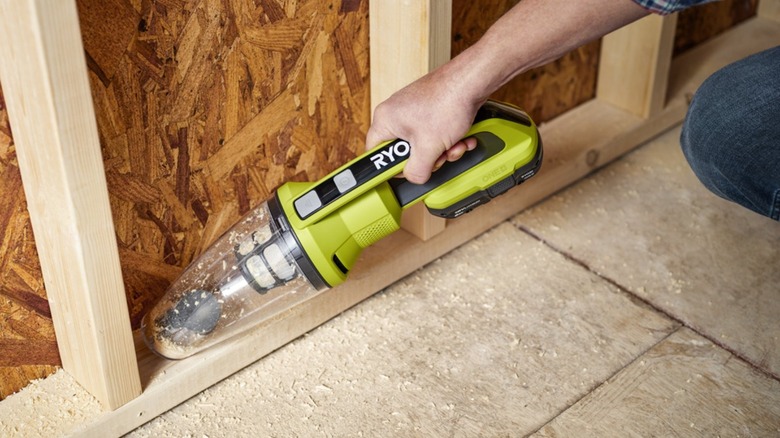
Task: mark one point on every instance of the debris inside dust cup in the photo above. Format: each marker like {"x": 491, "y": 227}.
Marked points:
{"x": 247, "y": 276}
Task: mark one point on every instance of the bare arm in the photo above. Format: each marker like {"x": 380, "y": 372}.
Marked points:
{"x": 434, "y": 112}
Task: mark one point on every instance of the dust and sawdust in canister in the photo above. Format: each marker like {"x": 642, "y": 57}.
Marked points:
{"x": 224, "y": 287}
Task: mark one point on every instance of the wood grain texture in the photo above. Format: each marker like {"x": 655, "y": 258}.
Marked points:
{"x": 205, "y": 107}
{"x": 58, "y": 153}
{"x": 418, "y": 33}
{"x": 544, "y": 92}
{"x": 700, "y": 23}
{"x": 28, "y": 349}
{"x": 634, "y": 65}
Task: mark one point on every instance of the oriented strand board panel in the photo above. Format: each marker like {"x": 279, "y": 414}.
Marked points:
{"x": 544, "y": 92}
{"x": 700, "y": 23}
{"x": 28, "y": 348}
{"x": 204, "y": 107}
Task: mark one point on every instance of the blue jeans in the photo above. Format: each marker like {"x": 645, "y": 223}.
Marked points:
{"x": 731, "y": 134}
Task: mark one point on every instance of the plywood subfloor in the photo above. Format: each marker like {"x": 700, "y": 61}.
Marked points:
{"x": 684, "y": 386}
{"x": 646, "y": 223}
{"x": 450, "y": 350}
{"x": 560, "y": 322}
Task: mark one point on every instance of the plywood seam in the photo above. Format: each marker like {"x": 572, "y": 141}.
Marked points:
{"x": 649, "y": 304}
{"x": 610, "y": 378}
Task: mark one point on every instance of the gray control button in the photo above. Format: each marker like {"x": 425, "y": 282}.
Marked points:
{"x": 344, "y": 181}
{"x": 308, "y": 204}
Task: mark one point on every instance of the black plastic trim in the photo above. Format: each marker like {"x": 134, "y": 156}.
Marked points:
{"x": 488, "y": 145}
{"x": 340, "y": 265}
{"x": 499, "y": 110}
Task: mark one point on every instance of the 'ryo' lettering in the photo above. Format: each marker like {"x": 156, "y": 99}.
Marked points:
{"x": 387, "y": 156}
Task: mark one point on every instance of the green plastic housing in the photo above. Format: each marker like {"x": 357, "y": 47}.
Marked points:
{"x": 334, "y": 236}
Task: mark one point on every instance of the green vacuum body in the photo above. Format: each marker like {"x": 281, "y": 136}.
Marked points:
{"x": 308, "y": 237}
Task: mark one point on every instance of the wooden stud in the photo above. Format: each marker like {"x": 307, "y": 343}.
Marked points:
{"x": 634, "y": 65}
{"x": 408, "y": 39}
{"x": 47, "y": 92}
{"x": 769, "y": 9}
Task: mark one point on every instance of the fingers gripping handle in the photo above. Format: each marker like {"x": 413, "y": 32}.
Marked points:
{"x": 506, "y": 137}
{"x": 407, "y": 192}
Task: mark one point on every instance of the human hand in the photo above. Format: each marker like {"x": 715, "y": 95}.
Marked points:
{"x": 432, "y": 114}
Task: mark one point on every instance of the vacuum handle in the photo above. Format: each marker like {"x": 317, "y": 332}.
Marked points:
{"x": 488, "y": 145}
{"x": 408, "y": 192}
{"x": 508, "y": 152}
{"x": 504, "y": 134}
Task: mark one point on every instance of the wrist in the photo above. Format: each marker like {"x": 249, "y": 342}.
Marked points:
{"x": 484, "y": 67}
{"x": 469, "y": 78}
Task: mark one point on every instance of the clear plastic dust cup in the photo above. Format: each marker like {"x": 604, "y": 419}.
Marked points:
{"x": 247, "y": 276}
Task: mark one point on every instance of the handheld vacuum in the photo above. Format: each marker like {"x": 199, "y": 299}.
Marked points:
{"x": 308, "y": 236}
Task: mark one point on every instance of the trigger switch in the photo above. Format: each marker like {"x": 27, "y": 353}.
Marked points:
{"x": 501, "y": 187}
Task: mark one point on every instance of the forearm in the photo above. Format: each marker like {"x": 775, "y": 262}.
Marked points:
{"x": 435, "y": 112}
{"x": 534, "y": 33}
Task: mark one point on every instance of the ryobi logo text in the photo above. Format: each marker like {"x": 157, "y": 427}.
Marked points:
{"x": 391, "y": 153}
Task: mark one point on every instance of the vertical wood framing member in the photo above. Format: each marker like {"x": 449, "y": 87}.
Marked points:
{"x": 47, "y": 92}
{"x": 634, "y": 65}
{"x": 407, "y": 40}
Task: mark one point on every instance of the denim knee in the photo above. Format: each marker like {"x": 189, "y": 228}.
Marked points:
{"x": 731, "y": 134}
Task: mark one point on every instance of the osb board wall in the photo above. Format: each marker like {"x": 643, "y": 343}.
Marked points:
{"x": 698, "y": 24}
{"x": 544, "y": 92}
{"x": 28, "y": 348}
{"x": 203, "y": 108}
